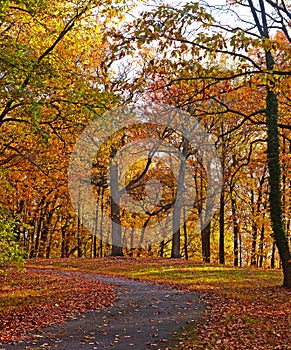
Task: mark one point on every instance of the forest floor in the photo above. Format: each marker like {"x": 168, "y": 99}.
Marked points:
{"x": 244, "y": 307}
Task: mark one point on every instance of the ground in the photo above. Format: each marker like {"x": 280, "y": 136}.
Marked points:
{"x": 236, "y": 308}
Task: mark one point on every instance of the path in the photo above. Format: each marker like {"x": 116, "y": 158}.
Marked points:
{"x": 145, "y": 317}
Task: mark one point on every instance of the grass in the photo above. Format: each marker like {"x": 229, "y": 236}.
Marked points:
{"x": 230, "y": 281}
{"x": 246, "y": 307}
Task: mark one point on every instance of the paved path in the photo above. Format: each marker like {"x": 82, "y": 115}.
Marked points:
{"x": 145, "y": 316}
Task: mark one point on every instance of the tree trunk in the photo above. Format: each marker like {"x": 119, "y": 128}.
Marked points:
{"x": 96, "y": 227}
{"x": 37, "y": 237}
{"x": 205, "y": 233}
{"x": 65, "y": 242}
{"x": 235, "y": 229}
{"x": 221, "y": 228}
{"x": 275, "y": 195}
{"x": 178, "y": 204}
{"x": 273, "y": 255}
{"x": 115, "y": 210}
{"x": 162, "y": 249}
{"x": 235, "y": 243}
{"x": 131, "y": 241}
{"x": 254, "y": 228}
{"x": 79, "y": 239}
{"x": 101, "y": 223}
{"x": 185, "y": 235}
{"x": 261, "y": 246}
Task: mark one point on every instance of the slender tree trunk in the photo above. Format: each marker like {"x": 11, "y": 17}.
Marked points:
{"x": 96, "y": 226}
{"x": 185, "y": 234}
{"x": 261, "y": 246}
{"x": 240, "y": 249}
{"x": 162, "y": 249}
{"x": 176, "y": 242}
{"x": 222, "y": 200}
{"x": 64, "y": 245}
{"x": 79, "y": 239}
{"x": 115, "y": 209}
{"x": 235, "y": 229}
{"x": 273, "y": 255}
{"x": 37, "y": 237}
{"x": 204, "y": 228}
{"x": 221, "y": 228}
{"x": 254, "y": 228}
{"x": 205, "y": 233}
{"x": 101, "y": 223}
{"x": 44, "y": 237}
{"x": 131, "y": 241}
{"x": 254, "y": 246}
{"x": 51, "y": 234}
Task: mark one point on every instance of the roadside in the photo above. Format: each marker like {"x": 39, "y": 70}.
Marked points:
{"x": 145, "y": 316}
{"x": 247, "y": 308}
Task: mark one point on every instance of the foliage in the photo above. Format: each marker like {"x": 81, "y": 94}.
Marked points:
{"x": 53, "y": 84}
{"x": 206, "y": 61}
{"x": 10, "y": 250}
{"x": 64, "y": 63}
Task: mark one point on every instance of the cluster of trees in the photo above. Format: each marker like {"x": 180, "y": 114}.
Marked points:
{"x": 63, "y": 64}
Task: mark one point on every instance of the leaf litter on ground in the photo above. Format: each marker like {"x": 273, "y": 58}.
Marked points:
{"x": 31, "y": 300}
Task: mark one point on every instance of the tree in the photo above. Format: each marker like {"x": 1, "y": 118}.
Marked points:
{"x": 187, "y": 37}
{"x": 52, "y": 85}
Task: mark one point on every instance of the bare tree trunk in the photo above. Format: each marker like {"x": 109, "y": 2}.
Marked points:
{"x": 221, "y": 228}
{"x": 205, "y": 233}
{"x": 115, "y": 209}
{"x": 185, "y": 234}
{"x": 178, "y": 204}
{"x": 235, "y": 229}
{"x": 261, "y": 246}
{"x": 273, "y": 255}
{"x": 101, "y": 223}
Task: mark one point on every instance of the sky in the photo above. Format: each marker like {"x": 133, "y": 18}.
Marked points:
{"x": 229, "y": 18}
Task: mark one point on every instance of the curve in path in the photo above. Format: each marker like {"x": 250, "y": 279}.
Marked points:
{"x": 145, "y": 316}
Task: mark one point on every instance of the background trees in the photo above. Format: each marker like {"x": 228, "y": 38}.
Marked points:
{"x": 52, "y": 85}
{"x": 62, "y": 64}
{"x": 190, "y": 44}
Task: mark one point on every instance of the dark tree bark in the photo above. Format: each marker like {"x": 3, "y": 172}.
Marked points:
{"x": 221, "y": 228}
{"x": 79, "y": 240}
{"x": 254, "y": 228}
{"x": 96, "y": 226}
{"x": 235, "y": 228}
{"x": 273, "y": 149}
{"x": 261, "y": 246}
{"x": 65, "y": 242}
{"x": 115, "y": 209}
{"x": 162, "y": 245}
{"x": 275, "y": 197}
{"x": 273, "y": 255}
{"x": 101, "y": 223}
{"x": 185, "y": 235}
{"x": 205, "y": 233}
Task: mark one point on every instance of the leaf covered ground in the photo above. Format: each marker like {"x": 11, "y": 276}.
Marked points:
{"x": 30, "y": 300}
{"x": 247, "y": 308}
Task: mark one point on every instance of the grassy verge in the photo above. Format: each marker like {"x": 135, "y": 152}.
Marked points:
{"x": 247, "y": 308}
